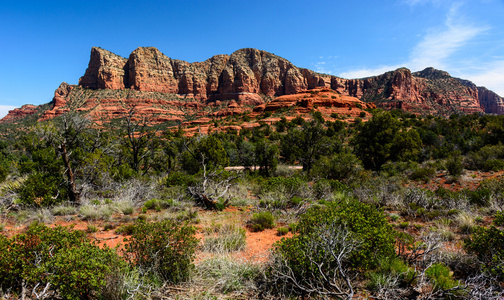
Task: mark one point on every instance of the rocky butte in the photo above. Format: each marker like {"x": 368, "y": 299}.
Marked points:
{"x": 174, "y": 90}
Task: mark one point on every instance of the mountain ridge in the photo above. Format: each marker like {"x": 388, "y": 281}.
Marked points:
{"x": 252, "y": 77}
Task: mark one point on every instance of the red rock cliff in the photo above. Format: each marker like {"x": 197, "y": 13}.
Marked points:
{"x": 251, "y": 75}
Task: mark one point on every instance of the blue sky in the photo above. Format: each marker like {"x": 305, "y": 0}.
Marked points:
{"x": 44, "y": 43}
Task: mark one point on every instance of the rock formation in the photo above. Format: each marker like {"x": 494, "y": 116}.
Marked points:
{"x": 17, "y": 114}
{"x": 174, "y": 90}
{"x": 490, "y": 101}
{"x": 250, "y": 76}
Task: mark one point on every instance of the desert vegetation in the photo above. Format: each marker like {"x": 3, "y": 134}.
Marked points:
{"x": 400, "y": 206}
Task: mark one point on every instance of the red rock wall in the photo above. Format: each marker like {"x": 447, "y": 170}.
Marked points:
{"x": 248, "y": 75}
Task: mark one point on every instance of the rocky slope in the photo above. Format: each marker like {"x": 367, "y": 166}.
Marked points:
{"x": 176, "y": 90}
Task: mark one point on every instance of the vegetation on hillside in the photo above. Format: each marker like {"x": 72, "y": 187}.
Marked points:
{"x": 391, "y": 208}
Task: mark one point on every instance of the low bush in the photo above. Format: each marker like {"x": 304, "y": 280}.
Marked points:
{"x": 163, "y": 249}
{"x": 179, "y": 178}
{"x": 368, "y": 224}
{"x": 392, "y": 273}
{"x": 441, "y": 277}
{"x": 42, "y": 189}
{"x": 262, "y": 220}
{"x": 424, "y": 174}
{"x": 282, "y": 231}
{"x": 488, "y": 245}
{"x": 334, "y": 242}
{"x": 499, "y": 218}
{"x": 58, "y": 258}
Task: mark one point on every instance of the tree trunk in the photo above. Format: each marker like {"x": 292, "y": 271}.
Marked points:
{"x": 73, "y": 193}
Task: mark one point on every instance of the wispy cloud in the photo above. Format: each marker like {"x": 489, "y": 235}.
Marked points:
{"x": 440, "y": 44}
{"x": 491, "y": 76}
{"x": 435, "y": 47}
{"x": 4, "y": 110}
{"x": 366, "y": 72}
{"x": 416, "y": 2}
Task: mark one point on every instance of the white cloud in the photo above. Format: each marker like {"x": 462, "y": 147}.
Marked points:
{"x": 435, "y": 48}
{"x": 491, "y": 77}
{"x": 438, "y": 45}
{"x": 321, "y": 67}
{"x": 4, "y": 110}
{"x": 361, "y": 73}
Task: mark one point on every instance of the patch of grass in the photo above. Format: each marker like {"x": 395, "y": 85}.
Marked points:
{"x": 125, "y": 207}
{"x": 94, "y": 213}
{"x": 108, "y": 226}
{"x": 91, "y": 228}
{"x": 42, "y": 215}
{"x": 394, "y": 217}
{"x": 465, "y": 222}
{"x": 225, "y": 274}
{"x": 64, "y": 210}
{"x": 225, "y": 238}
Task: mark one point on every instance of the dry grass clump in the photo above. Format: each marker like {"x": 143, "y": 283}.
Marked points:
{"x": 465, "y": 222}
{"x": 95, "y": 212}
{"x": 224, "y": 238}
{"x": 64, "y": 210}
{"x": 226, "y": 274}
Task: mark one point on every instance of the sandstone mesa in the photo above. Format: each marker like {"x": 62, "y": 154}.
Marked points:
{"x": 248, "y": 80}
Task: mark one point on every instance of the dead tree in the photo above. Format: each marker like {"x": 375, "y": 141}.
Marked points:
{"x": 211, "y": 189}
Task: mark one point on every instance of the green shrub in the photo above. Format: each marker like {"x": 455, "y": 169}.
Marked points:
{"x": 499, "y": 218}
{"x": 165, "y": 249}
{"x": 80, "y": 272}
{"x": 391, "y": 267}
{"x": 480, "y": 197}
{"x": 368, "y": 224}
{"x": 441, "y": 277}
{"x": 488, "y": 245}
{"x": 42, "y": 189}
{"x": 155, "y": 204}
{"x": 282, "y": 230}
{"x": 454, "y": 165}
{"x": 179, "y": 178}
{"x": 334, "y": 239}
{"x": 262, "y": 220}
{"x": 424, "y": 174}
{"x": 74, "y": 267}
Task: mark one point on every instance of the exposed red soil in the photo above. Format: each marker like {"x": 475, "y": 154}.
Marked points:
{"x": 258, "y": 244}
{"x": 468, "y": 180}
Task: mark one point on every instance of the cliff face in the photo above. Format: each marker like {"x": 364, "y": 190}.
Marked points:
{"x": 250, "y": 77}
{"x": 19, "y": 113}
{"x": 491, "y": 102}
